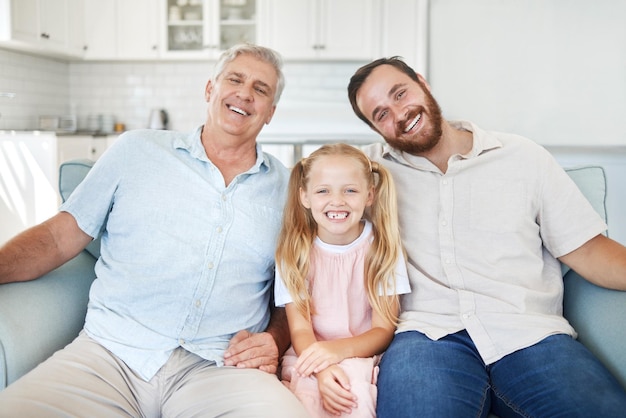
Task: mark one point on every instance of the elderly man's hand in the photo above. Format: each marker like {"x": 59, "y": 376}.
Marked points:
{"x": 257, "y": 351}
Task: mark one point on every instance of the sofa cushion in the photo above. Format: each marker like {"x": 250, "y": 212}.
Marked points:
{"x": 71, "y": 173}
{"x": 591, "y": 180}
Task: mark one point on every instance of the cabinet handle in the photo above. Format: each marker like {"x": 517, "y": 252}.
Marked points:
{"x": 45, "y": 35}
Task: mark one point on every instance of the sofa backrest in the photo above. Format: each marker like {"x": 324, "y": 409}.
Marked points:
{"x": 71, "y": 173}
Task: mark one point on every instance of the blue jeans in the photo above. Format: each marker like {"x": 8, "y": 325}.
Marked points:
{"x": 447, "y": 378}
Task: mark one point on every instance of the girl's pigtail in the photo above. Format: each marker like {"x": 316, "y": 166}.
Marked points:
{"x": 387, "y": 246}
{"x": 294, "y": 243}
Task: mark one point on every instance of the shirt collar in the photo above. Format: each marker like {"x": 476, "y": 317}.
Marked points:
{"x": 193, "y": 144}
{"x": 483, "y": 141}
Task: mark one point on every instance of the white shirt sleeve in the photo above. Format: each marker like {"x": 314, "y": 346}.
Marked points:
{"x": 402, "y": 279}
{"x": 281, "y": 294}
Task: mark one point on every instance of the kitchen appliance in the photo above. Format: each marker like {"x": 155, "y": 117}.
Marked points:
{"x": 67, "y": 124}
{"x": 48, "y": 123}
{"x": 158, "y": 119}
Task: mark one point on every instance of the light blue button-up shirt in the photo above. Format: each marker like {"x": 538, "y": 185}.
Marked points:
{"x": 185, "y": 261}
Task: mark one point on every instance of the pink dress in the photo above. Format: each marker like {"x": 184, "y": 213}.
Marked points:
{"x": 342, "y": 310}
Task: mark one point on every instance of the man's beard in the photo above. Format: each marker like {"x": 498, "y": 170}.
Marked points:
{"x": 428, "y": 137}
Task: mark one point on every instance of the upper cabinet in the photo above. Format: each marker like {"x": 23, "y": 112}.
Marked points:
{"x": 42, "y": 26}
{"x": 204, "y": 28}
{"x": 323, "y": 29}
{"x": 334, "y": 30}
{"x": 121, "y": 29}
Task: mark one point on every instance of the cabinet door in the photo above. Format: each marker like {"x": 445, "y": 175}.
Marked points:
{"x": 98, "y": 144}
{"x": 291, "y": 27}
{"x": 73, "y": 147}
{"x": 238, "y": 21}
{"x": 100, "y": 29}
{"x": 53, "y": 20}
{"x": 204, "y": 28}
{"x": 25, "y": 20}
{"x": 186, "y": 32}
{"x": 137, "y": 29}
{"x": 349, "y": 29}
{"x": 76, "y": 27}
{"x": 324, "y": 29}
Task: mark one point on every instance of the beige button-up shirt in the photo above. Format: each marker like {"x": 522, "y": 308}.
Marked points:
{"x": 482, "y": 238}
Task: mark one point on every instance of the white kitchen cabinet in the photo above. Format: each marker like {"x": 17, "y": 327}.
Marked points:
{"x": 53, "y": 21}
{"x": 40, "y": 26}
{"x": 405, "y": 32}
{"x": 25, "y": 20}
{"x": 205, "y": 28}
{"x": 76, "y": 27}
{"x": 323, "y": 29}
{"x": 121, "y": 29}
{"x": 70, "y": 147}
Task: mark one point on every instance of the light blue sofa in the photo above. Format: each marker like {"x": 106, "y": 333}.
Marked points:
{"x": 41, "y": 316}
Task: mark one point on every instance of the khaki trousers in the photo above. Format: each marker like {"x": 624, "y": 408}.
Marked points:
{"x": 86, "y": 380}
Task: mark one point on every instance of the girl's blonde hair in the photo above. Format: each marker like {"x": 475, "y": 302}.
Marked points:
{"x": 299, "y": 229}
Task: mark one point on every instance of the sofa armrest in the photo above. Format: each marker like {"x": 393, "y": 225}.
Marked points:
{"x": 597, "y": 314}
{"x": 39, "y": 317}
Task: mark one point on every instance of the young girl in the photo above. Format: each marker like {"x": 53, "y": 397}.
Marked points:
{"x": 340, "y": 269}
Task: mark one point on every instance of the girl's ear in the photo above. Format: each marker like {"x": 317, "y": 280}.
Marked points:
{"x": 370, "y": 197}
{"x": 303, "y": 199}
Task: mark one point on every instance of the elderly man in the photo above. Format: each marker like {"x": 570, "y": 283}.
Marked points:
{"x": 189, "y": 226}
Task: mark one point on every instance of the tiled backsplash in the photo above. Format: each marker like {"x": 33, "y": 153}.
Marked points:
{"x": 41, "y": 87}
{"x": 129, "y": 90}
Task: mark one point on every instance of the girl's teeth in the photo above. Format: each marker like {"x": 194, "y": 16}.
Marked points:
{"x": 337, "y": 215}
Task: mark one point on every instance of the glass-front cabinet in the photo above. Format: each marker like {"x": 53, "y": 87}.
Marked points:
{"x": 204, "y": 28}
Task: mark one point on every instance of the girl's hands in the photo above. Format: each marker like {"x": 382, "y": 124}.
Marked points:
{"x": 317, "y": 357}
{"x": 334, "y": 387}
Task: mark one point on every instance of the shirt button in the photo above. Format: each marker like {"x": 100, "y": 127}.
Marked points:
{"x": 210, "y": 265}
{"x": 465, "y": 316}
{"x": 445, "y": 182}
{"x": 181, "y": 341}
{"x": 219, "y": 229}
{"x": 198, "y": 303}
{"x": 447, "y": 261}
{"x": 444, "y": 223}
{"x": 224, "y": 197}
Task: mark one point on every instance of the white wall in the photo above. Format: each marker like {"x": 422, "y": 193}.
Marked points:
{"x": 552, "y": 70}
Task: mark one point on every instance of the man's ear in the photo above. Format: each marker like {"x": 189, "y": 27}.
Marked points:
{"x": 207, "y": 90}
{"x": 423, "y": 81}
{"x": 269, "y": 119}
